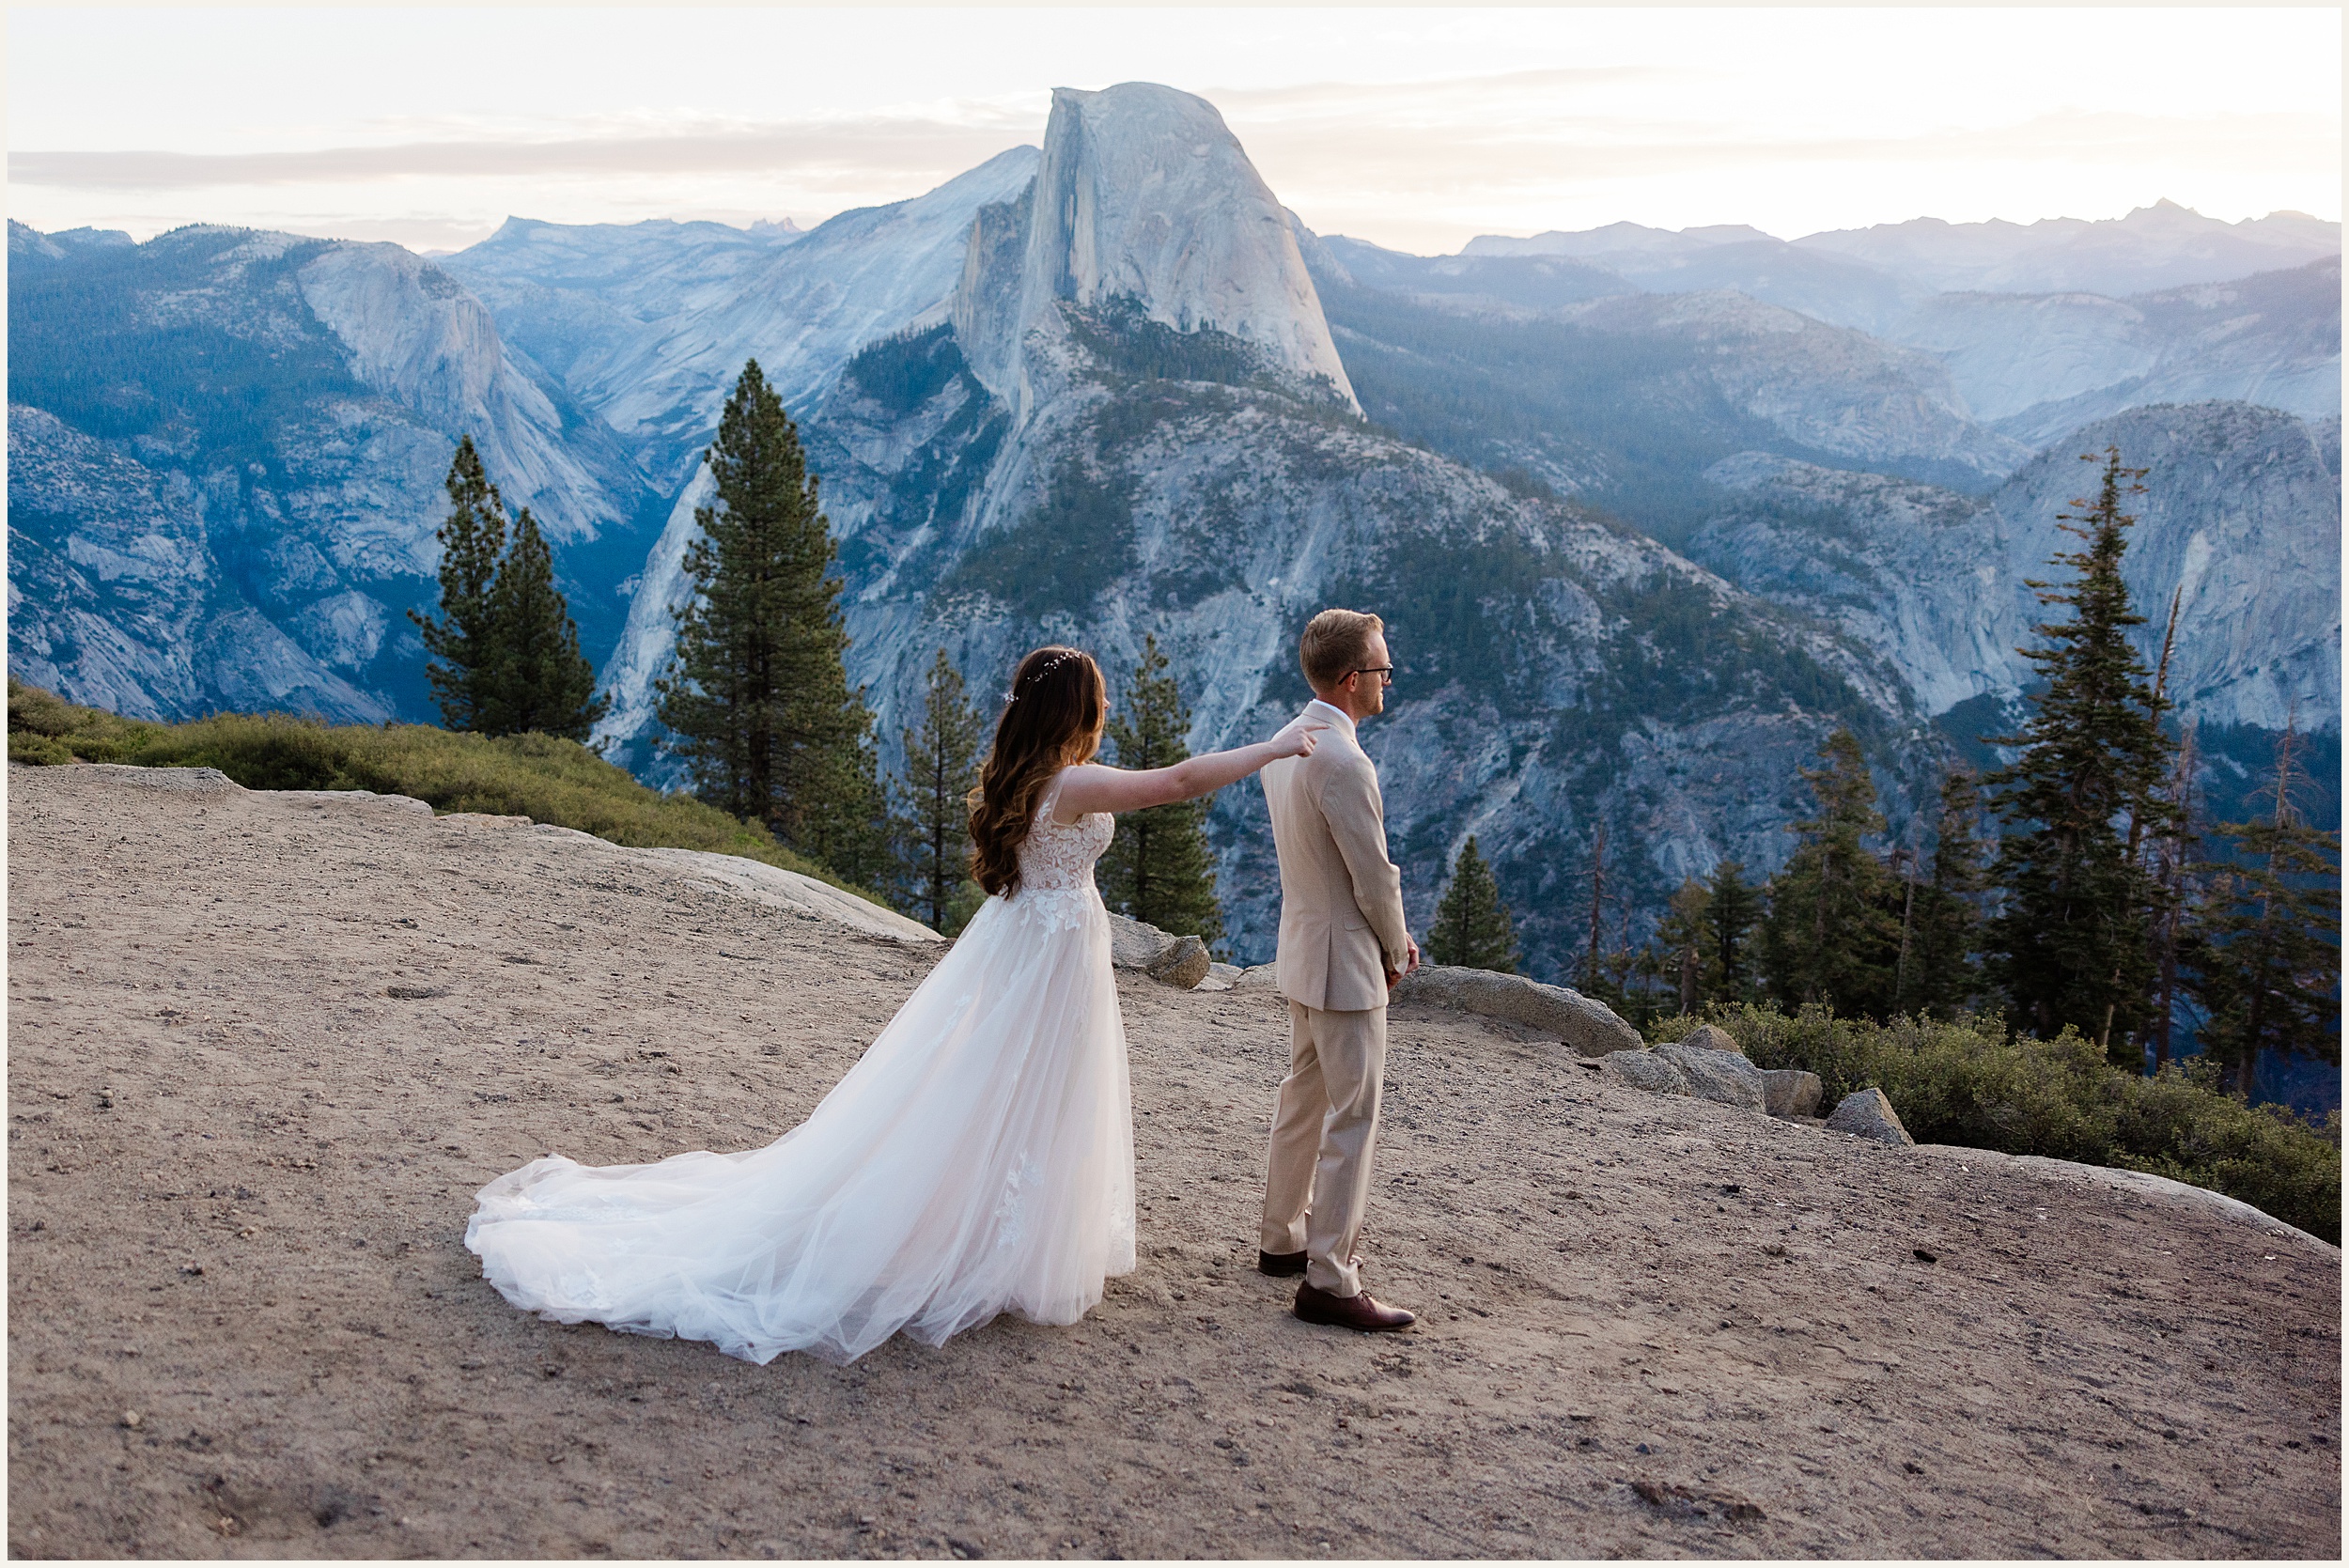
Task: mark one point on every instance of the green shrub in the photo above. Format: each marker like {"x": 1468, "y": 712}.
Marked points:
{"x": 536, "y": 776}
{"x": 1968, "y": 1083}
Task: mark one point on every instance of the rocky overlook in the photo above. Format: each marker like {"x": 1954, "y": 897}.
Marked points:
{"x": 243, "y": 1320}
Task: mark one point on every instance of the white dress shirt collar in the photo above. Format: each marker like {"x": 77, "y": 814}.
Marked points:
{"x": 1337, "y": 718}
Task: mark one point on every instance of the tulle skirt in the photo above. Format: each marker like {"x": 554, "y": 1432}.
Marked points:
{"x": 978, "y": 1159}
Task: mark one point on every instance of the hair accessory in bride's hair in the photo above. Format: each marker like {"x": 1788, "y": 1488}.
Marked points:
{"x": 1041, "y": 671}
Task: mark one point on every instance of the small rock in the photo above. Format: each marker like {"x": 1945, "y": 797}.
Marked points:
{"x": 1183, "y": 965}
{"x": 1866, "y": 1113}
{"x": 1713, "y": 1037}
{"x": 1178, "y": 961}
{"x": 133, "y": 1420}
{"x": 1790, "y": 1092}
{"x": 1724, "y": 1077}
{"x": 1924, "y": 1256}
{"x": 1643, "y": 1069}
{"x": 1221, "y": 977}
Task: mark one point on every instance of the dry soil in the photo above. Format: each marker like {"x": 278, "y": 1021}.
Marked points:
{"x": 264, "y": 1048}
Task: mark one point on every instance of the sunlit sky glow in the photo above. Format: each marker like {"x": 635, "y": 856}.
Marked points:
{"x": 1415, "y": 128}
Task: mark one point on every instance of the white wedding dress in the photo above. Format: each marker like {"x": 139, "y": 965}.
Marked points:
{"x": 978, "y": 1159}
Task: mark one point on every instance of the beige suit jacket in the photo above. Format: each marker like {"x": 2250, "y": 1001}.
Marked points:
{"x": 1341, "y": 928}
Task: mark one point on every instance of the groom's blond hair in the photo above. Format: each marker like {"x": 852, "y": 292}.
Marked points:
{"x": 1335, "y": 646}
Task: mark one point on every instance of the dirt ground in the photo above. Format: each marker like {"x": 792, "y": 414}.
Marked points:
{"x": 1650, "y": 1327}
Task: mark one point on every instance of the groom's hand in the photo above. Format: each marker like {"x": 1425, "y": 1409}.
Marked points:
{"x": 1410, "y": 960}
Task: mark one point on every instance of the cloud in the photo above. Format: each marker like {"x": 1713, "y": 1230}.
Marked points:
{"x": 1472, "y": 95}
{"x": 860, "y": 148}
{"x": 1502, "y": 157}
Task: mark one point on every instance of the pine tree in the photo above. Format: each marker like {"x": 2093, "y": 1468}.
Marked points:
{"x": 1732, "y": 910}
{"x": 464, "y": 642}
{"x": 941, "y": 770}
{"x": 2072, "y": 942}
{"x": 1833, "y": 935}
{"x": 1474, "y": 928}
{"x": 758, "y": 698}
{"x": 2175, "y": 879}
{"x": 540, "y": 680}
{"x": 1594, "y": 954}
{"x": 2267, "y": 959}
{"x": 1675, "y": 958}
{"x": 1157, "y": 869}
{"x": 1942, "y": 976}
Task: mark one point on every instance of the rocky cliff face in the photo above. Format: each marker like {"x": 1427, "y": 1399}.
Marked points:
{"x": 1833, "y": 390}
{"x": 276, "y": 415}
{"x": 1143, "y": 199}
{"x": 115, "y": 597}
{"x": 1623, "y": 400}
{"x": 2242, "y": 513}
{"x": 652, "y": 350}
{"x": 1126, "y": 476}
{"x": 2040, "y": 365}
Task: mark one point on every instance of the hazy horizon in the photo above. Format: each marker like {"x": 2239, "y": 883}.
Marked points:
{"x": 744, "y": 225}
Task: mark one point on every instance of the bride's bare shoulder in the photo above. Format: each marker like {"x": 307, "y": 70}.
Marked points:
{"x": 1079, "y": 775}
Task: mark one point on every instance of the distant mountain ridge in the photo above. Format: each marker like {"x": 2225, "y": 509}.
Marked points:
{"x": 652, "y": 350}
{"x": 226, "y": 450}
{"x": 2036, "y": 365}
{"x": 2240, "y": 518}
{"x": 1641, "y": 543}
{"x": 2156, "y": 247}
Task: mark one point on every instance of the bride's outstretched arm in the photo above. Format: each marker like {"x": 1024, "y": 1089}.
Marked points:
{"x": 1095, "y": 787}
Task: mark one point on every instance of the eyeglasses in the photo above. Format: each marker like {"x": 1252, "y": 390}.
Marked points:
{"x": 1385, "y": 673}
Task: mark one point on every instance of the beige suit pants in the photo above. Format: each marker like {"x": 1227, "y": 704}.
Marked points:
{"x": 1322, "y": 1137}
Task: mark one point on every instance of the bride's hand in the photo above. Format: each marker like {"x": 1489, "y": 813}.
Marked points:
{"x": 1298, "y": 738}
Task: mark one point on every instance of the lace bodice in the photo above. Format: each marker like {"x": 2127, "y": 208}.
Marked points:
{"x": 1058, "y": 859}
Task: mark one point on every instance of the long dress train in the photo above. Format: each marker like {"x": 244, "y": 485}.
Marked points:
{"x": 978, "y": 1159}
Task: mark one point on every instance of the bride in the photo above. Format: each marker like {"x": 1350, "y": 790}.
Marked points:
{"x": 978, "y": 1159}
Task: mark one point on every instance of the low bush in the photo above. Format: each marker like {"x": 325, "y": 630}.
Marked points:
{"x": 536, "y": 776}
{"x": 1969, "y": 1082}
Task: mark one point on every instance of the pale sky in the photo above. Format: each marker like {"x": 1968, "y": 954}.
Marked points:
{"x": 1416, "y": 128}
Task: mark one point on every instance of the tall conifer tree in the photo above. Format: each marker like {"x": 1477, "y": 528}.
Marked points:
{"x": 540, "y": 681}
{"x": 941, "y": 770}
{"x": 1474, "y": 928}
{"x": 464, "y": 642}
{"x": 2072, "y": 942}
{"x": 2265, "y": 960}
{"x": 2175, "y": 879}
{"x": 1732, "y": 910}
{"x": 1944, "y": 974}
{"x": 758, "y": 697}
{"x": 1833, "y": 935}
{"x": 1157, "y": 869}
{"x": 1673, "y": 960}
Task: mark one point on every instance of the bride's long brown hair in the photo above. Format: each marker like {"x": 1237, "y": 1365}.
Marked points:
{"x": 1051, "y": 720}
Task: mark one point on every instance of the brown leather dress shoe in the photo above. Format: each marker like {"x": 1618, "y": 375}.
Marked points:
{"x": 1351, "y": 1311}
{"x": 1279, "y": 1263}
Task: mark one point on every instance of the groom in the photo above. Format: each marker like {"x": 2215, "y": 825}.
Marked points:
{"x": 1343, "y": 944}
